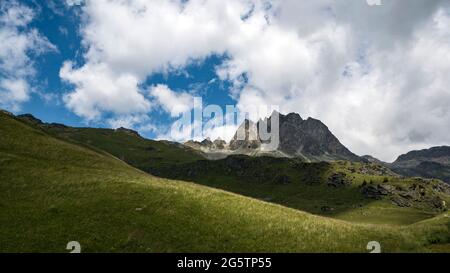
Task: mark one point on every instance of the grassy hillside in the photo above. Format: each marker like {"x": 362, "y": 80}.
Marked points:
{"x": 306, "y": 186}
{"x": 329, "y": 189}
{"x": 127, "y": 145}
{"x": 52, "y": 192}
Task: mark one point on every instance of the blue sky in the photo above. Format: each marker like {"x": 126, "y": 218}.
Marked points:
{"x": 373, "y": 80}
{"x": 60, "y": 24}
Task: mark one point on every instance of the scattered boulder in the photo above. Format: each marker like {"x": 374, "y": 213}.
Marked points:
{"x": 442, "y": 188}
{"x": 410, "y": 195}
{"x": 375, "y": 169}
{"x": 377, "y": 191}
{"x": 338, "y": 180}
{"x": 400, "y": 202}
{"x": 438, "y": 204}
{"x": 387, "y": 188}
{"x": 403, "y": 196}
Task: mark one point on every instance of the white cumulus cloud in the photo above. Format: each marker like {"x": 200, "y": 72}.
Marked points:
{"x": 172, "y": 102}
{"x": 19, "y": 44}
{"x": 99, "y": 89}
{"x": 376, "y": 75}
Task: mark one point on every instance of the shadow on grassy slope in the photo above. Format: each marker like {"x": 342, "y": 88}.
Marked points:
{"x": 52, "y": 192}
{"x": 288, "y": 182}
{"x": 299, "y": 185}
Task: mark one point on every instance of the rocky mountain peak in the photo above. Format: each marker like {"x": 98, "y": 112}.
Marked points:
{"x": 428, "y": 163}
{"x": 371, "y": 159}
{"x": 128, "y": 131}
{"x": 219, "y": 143}
{"x": 292, "y": 117}
{"x": 30, "y": 118}
{"x": 246, "y": 137}
{"x": 434, "y": 152}
{"x": 309, "y": 139}
{"x": 207, "y": 145}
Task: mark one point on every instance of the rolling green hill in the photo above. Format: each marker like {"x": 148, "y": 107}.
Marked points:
{"x": 329, "y": 189}
{"x": 125, "y": 144}
{"x": 357, "y": 192}
{"x": 53, "y": 191}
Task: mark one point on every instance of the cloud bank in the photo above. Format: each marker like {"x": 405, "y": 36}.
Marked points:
{"x": 376, "y": 75}
{"x": 19, "y": 44}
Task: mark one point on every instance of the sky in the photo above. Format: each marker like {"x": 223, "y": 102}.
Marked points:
{"x": 377, "y": 75}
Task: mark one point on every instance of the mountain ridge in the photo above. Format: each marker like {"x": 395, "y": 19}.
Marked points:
{"x": 318, "y": 188}
{"x": 53, "y": 191}
{"x": 429, "y": 163}
{"x": 310, "y": 140}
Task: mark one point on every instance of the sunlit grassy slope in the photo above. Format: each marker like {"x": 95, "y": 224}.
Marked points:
{"x": 255, "y": 177}
{"x": 139, "y": 152}
{"x": 53, "y": 192}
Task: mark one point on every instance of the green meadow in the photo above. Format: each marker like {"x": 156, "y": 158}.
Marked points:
{"x": 54, "y": 190}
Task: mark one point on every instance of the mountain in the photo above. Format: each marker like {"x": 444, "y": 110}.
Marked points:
{"x": 246, "y": 138}
{"x": 428, "y": 163}
{"x": 54, "y": 190}
{"x": 339, "y": 189}
{"x": 371, "y": 159}
{"x": 309, "y": 139}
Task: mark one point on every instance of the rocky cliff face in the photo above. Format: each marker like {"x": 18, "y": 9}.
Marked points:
{"x": 308, "y": 139}
{"x": 311, "y": 139}
{"x": 219, "y": 143}
{"x": 246, "y": 137}
{"x": 428, "y": 163}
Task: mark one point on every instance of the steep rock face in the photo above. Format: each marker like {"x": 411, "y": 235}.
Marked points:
{"x": 219, "y": 143}
{"x": 246, "y": 137}
{"x": 207, "y": 144}
{"x": 428, "y": 163}
{"x": 307, "y": 139}
{"x": 310, "y": 139}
